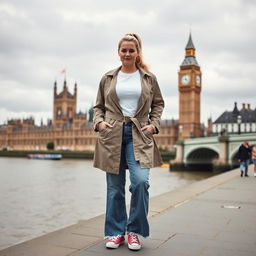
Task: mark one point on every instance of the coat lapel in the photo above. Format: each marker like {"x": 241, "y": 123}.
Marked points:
{"x": 112, "y": 91}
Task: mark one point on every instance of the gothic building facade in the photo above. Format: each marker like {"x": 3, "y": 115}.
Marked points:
{"x": 68, "y": 130}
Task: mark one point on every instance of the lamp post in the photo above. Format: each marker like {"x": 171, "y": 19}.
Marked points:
{"x": 239, "y": 121}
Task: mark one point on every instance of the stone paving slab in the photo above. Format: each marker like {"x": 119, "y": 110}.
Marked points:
{"x": 187, "y": 221}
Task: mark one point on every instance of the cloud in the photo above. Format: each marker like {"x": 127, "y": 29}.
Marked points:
{"x": 40, "y": 38}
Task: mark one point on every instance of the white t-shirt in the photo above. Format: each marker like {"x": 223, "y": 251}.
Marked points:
{"x": 128, "y": 90}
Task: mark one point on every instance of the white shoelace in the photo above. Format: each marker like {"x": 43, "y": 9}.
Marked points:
{"x": 134, "y": 238}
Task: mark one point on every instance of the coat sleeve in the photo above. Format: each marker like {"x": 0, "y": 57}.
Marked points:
{"x": 99, "y": 108}
{"x": 157, "y": 106}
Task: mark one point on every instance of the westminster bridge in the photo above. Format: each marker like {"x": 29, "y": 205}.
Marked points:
{"x": 218, "y": 153}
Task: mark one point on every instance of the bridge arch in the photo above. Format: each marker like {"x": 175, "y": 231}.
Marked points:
{"x": 208, "y": 147}
{"x": 203, "y": 155}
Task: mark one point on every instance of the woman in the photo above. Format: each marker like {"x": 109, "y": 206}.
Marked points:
{"x": 254, "y": 159}
{"x": 128, "y": 108}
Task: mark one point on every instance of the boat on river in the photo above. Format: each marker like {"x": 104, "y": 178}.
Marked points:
{"x": 45, "y": 156}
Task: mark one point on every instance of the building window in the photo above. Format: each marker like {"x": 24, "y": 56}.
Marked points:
{"x": 248, "y": 127}
{"x": 254, "y": 127}
{"x": 230, "y": 127}
{"x": 219, "y": 128}
{"x": 243, "y": 127}
{"x": 213, "y": 128}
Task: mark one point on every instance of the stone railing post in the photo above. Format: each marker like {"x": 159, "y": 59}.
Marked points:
{"x": 178, "y": 162}
{"x": 222, "y": 163}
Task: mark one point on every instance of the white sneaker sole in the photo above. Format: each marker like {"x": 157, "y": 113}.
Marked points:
{"x": 113, "y": 246}
{"x": 134, "y": 247}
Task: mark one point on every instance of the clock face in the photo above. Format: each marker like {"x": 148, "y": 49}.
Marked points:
{"x": 185, "y": 79}
{"x": 198, "y": 79}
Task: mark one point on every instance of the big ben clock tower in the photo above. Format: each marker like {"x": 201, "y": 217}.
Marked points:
{"x": 189, "y": 94}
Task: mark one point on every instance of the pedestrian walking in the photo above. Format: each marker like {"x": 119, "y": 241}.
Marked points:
{"x": 127, "y": 113}
{"x": 254, "y": 159}
{"x": 244, "y": 157}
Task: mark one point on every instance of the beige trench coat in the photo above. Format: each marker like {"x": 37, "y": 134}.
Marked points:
{"x": 109, "y": 141}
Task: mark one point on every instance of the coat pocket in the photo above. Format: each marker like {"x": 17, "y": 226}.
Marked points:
{"x": 146, "y": 136}
{"x": 105, "y": 132}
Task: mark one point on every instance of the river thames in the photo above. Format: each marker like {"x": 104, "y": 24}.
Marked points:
{"x": 40, "y": 196}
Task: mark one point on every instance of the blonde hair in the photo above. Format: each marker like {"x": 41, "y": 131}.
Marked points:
{"x": 137, "y": 41}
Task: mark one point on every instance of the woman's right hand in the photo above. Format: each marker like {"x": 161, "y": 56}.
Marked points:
{"x": 103, "y": 125}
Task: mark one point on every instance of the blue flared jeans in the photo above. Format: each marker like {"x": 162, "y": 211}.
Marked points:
{"x": 116, "y": 220}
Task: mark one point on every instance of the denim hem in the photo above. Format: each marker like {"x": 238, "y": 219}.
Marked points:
{"x": 107, "y": 237}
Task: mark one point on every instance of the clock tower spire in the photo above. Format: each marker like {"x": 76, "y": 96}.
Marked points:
{"x": 189, "y": 84}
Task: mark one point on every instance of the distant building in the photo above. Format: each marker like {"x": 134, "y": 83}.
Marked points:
{"x": 69, "y": 130}
{"x": 168, "y": 134}
{"x": 236, "y": 121}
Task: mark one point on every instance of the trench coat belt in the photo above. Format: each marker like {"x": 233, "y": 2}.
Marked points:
{"x": 126, "y": 119}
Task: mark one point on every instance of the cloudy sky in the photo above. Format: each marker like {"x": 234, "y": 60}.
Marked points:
{"x": 39, "y": 38}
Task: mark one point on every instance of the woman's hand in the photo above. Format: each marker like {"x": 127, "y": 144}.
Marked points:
{"x": 150, "y": 128}
{"x": 103, "y": 125}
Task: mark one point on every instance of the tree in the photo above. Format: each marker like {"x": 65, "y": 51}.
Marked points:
{"x": 50, "y": 145}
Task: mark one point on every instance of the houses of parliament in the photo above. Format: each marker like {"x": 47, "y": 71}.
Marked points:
{"x": 69, "y": 130}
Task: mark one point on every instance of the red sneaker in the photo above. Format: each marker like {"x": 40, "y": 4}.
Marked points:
{"x": 114, "y": 241}
{"x": 133, "y": 242}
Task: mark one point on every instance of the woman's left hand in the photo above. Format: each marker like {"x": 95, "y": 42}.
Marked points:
{"x": 150, "y": 128}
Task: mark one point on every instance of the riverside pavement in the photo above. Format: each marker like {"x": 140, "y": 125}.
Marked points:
{"x": 215, "y": 216}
